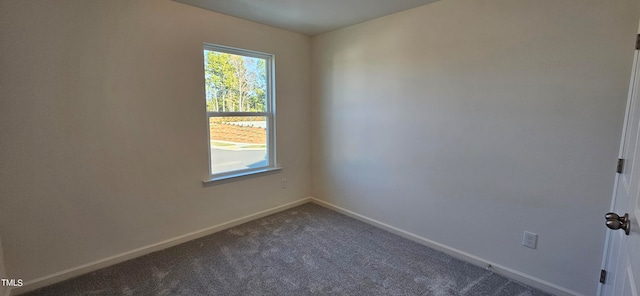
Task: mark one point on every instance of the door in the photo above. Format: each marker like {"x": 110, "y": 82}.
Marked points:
{"x": 622, "y": 254}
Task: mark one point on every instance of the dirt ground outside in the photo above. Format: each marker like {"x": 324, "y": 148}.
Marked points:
{"x": 230, "y": 132}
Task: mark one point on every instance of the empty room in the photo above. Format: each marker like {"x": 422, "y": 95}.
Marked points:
{"x": 301, "y": 147}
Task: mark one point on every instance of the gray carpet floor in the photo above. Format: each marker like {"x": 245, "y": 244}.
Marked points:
{"x": 307, "y": 250}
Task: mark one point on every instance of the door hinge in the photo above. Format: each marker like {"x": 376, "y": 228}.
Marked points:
{"x": 603, "y": 276}
{"x": 620, "y": 167}
{"x": 638, "y": 42}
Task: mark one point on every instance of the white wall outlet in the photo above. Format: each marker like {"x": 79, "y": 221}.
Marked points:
{"x": 530, "y": 239}
{"x": 283, "y": 183}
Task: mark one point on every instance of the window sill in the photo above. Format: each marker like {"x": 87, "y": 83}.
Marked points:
{"x": 240, "y": 176}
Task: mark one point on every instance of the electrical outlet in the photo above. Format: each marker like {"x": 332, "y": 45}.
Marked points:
{"x": 283, "y": 183}
{"x": 530, "y": 239}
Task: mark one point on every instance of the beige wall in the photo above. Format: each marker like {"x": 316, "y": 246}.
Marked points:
{"x": 103, "y": 132}
{"x": 3, "y": 273}
{"x": 468, "y": 122}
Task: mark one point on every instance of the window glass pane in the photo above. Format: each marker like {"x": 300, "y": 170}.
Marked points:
{"x": 238, "y": 143}
{"x": 235, "y": 83}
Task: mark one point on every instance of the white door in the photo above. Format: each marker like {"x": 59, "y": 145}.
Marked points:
{"x": 622, "y": 255}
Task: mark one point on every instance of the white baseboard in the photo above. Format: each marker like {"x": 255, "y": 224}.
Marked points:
{"x": 505, "y": 271}
{"x": 95, "y": 265}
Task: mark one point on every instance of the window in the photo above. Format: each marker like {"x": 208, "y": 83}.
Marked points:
{"x": 240, "y": 111}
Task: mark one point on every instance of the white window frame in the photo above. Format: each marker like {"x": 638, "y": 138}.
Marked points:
{"x": 270, "y": 115}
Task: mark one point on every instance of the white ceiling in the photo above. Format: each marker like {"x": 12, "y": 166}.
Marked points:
{"x": 309, "y": 17}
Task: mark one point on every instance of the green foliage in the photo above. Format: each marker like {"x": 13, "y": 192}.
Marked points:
{"x": 235, "y": 83}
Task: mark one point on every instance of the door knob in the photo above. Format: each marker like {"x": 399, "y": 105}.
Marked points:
{"x": 614, "y": 221}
